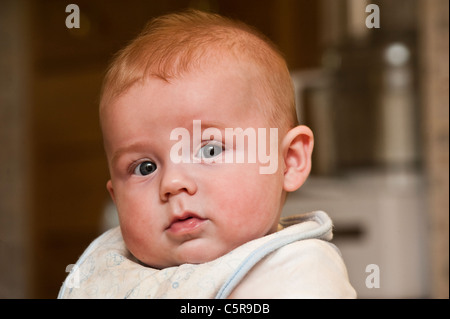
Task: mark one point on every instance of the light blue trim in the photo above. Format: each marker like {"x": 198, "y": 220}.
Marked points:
{"x": 324, "y": 228}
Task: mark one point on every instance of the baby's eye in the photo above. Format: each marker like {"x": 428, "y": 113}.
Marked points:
{"x": 210, "y": 150}
{"x": 145, "y": 168}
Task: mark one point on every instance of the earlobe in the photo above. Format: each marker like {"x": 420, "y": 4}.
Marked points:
{"x": 110, "y": 189}
{"x": 297, "y": 150}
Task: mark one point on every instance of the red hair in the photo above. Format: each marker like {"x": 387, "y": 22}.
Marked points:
{"x": 173, "y": 44}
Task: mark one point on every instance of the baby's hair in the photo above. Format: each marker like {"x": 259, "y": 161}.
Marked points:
{"x": 174, "y": 44}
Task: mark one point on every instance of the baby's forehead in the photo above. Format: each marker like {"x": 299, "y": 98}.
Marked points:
{"x": 228, "y": 81}
{"x": 218, "y": 93}
{"x": 239, "y": 76}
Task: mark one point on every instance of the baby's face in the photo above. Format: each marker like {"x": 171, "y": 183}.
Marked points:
{"x": 194, "y": 211}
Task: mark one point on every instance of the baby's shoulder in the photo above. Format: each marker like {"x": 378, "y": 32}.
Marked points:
{"x": 310, "y": 268}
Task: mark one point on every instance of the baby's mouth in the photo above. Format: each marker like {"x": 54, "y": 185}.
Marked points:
{"x": 185, "y": 224}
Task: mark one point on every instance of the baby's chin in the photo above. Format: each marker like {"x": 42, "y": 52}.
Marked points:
{"x": 186, "y": 256}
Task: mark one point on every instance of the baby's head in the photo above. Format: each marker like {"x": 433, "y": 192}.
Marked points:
{"x": 189, "y": 111}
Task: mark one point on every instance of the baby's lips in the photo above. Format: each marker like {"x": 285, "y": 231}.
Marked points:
{"x": 183, "y": 216}
{"x": 186, "y": 223}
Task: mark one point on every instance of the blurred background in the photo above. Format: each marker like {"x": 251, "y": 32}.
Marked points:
{"x": 376, "y": 98}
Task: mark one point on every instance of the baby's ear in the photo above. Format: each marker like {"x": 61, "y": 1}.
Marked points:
{"x": 297, "y": 147}
{"x": 110, "y": 189}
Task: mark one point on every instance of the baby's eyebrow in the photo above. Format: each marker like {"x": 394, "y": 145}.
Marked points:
{"x": 215, "y": 124}
{"x": 127, "y": 149}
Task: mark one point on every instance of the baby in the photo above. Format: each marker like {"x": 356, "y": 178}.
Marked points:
{"x": 201, "y": 136}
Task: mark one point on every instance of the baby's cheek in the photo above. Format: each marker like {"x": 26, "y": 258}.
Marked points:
{"x": 240, "y": 207}
{"x": 135, "y": 224}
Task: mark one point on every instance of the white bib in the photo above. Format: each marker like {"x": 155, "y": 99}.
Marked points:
{"x": 108, "y": 270}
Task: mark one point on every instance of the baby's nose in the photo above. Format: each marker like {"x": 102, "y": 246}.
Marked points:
{"x": 176, "y": 178}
